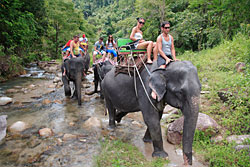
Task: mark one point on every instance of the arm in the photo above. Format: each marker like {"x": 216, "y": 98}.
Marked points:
{"x": 63, "y": 47}
{"x": 71, "y": 49}
{"x": 159, "y": 45}
{"x": 133, "y": 34}
{"x": 173, "y": 50}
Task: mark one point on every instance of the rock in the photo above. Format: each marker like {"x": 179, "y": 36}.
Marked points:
{"x": 217, "y": 139}
{"x": 137, "y": 124}
{"x": 59, "y": 141}
{"x": 93, "y": 122}
{"x": 18, "y": 87}
{"x": 56, "y": 80}
{"x": 34, "y": 74}
{"x": 3, "y": 126}
{"x": 67, "y": 137}
{"x": 31, "y": 86}
{"x": 238, "y": 139}
{"x": 5, "y": 100}
{"x": 242, "y": 147}
{"x": 52, "y": 69}
{"x": 18, "y": 126}
{"x": 240, "y": 66}
{"x": 58, "y": 101}
{"x": 46, "y": 101}
{"x": 45, "y": 132}
{"x": 71, "y": 124}
{"x": 204, "y": 123}
{"x": 11, "y": 91}
{"x": 52, "y": 86}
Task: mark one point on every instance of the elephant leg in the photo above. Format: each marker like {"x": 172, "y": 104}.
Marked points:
{"x": 78, "y": 87}
{"x": 112, "y": 113}
{"x": 119, "y": 116}
{"x": 147, "y": 136}
{"x": 152, "y": 120}
{"x": 67, "y": 89}
{"x": 190, "y": 120}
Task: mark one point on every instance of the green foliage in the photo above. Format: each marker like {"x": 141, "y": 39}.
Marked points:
{"x": 219, "y": 155}
{"x": 116, "y": 153}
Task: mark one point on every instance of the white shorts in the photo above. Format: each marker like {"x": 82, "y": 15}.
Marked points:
{"x": 97, "y": 53}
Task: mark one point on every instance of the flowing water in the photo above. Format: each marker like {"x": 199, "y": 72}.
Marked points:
{"x": 64, "y": 116}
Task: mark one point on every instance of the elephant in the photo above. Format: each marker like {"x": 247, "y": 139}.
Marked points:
{"x": 100, "y": 70}
{"x": 76, "y": 68}
{"x": 178, "y": 85}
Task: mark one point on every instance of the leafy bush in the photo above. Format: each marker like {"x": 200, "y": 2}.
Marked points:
{"x": 220, "y": 155}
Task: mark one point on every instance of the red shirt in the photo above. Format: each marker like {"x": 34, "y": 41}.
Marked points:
{"x": 68, "y": 43}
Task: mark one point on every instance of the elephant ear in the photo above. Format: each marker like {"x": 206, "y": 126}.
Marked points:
{"x": 157, "y": 82}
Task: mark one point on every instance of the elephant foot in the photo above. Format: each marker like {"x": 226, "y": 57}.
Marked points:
{"x": 111, "y": 127}
{"x": 147, "y": 139}
{"x": 160, "y": 154}
{"x": 74, "y": 97}
{"x": 187, "y": 157}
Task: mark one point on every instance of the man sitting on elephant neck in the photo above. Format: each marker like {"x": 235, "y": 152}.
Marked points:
{"x": 76, "y": 50}
{"x": 165, "y": 44}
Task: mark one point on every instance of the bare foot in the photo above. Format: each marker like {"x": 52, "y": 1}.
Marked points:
{"x": 153, "y": 94}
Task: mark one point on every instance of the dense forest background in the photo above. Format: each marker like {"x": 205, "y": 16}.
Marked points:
{"x": 33, "y": 30}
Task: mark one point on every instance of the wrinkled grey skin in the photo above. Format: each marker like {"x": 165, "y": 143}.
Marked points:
{"x": 75, "y": 68}
{"x": 3, "y": 126}
{"x": 178, "y": 85}
{"x": 100, "y": 70}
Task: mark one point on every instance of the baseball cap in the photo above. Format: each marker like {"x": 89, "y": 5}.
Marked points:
{"x": 83, "y": 36}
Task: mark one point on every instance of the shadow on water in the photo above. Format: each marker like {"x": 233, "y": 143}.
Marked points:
{"x": 73, "y": 143}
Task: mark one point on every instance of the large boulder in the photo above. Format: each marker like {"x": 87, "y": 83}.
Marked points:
{"x": 238, "y": 139}
{"x": 5, "y": 100}
{"x": 204, "y": 123}
{"x": 18, "y": 127}
{"x": 3, "y": 126}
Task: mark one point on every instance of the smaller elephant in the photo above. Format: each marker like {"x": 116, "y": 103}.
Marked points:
{"x": 76, "y": 68}
{"x": 100, "y": 70}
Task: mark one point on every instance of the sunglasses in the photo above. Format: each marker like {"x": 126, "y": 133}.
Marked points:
{"x": 166, "y": 27}
{"x": 141, "y": 22}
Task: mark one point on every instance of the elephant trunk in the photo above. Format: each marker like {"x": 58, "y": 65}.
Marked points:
{"x": 78, "y": 87}
{"x": 190, "y": 111}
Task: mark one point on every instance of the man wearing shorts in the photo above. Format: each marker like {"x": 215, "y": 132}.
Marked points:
{"x": 99, "y": 50}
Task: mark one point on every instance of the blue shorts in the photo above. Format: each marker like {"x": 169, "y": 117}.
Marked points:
{"x": 66, "y": 48}
{"x": 112, "y": 51}
{"x": 161, "y": 60}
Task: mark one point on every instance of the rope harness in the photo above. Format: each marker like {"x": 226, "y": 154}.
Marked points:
{"x": 136, "y": 70}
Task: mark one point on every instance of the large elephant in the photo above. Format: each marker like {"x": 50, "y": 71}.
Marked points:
{"x": 178, "y": 85}
{"x": 75, "y": 70}
{"x": 100, "y": 70}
